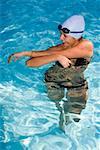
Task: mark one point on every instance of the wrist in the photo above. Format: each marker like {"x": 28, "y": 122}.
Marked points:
{"x": 59, "y": 57}
{"x": 24, "y": 53}
{"x": 27, "y": 53}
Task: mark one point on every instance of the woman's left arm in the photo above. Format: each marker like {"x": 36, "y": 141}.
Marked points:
{"x": 42, "y": 60}
{"x": 83, "y": 50}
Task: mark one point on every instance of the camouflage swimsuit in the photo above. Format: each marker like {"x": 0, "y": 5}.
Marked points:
{"x": 58, "y": 78}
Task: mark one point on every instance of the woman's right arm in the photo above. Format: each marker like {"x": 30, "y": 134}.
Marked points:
{"x": 50, "y": 51}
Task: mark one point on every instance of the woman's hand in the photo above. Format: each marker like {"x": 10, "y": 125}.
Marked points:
{"x": 65, "y": 62}
{"x": 15, "y": 56}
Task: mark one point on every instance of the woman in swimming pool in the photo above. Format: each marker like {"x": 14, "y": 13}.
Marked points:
{"x": 73, "y": 46}
{"x": 71, "y": 57}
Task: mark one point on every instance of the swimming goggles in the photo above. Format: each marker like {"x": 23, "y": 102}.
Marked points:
{"x": 65, "y": 30}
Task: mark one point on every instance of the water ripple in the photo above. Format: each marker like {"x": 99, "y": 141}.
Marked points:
{"x": 29, "y": 120}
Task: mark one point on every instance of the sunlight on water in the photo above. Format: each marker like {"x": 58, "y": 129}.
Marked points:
{"x": 28, "y": 118}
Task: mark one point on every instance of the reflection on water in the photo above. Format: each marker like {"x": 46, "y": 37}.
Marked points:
{"x": 28, "y": 120}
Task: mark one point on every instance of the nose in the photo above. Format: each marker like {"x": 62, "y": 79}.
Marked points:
{"x": 62, "y": 37}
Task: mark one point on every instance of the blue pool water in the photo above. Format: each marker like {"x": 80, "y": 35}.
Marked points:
{"x": 28, "y": 119}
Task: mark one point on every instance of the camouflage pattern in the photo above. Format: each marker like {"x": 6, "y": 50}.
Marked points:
{"x": 57, "y": 78}
{"x": 77, "y": 98}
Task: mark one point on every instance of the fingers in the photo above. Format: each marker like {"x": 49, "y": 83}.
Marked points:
{"x": 16, "y": 58}
{"x": 69, "y": 61}
{"x": 10, "y": 57}
{"x": 67, "y": 64}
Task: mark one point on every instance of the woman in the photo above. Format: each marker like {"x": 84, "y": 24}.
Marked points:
{"x": 71, "y": 57}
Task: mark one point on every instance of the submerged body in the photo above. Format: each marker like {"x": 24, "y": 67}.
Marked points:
{"x": 57, "y": 78}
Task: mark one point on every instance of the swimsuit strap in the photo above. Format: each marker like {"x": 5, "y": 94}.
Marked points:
{"x": 82, "y": 61}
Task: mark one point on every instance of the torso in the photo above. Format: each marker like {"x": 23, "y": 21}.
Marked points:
{"x": 73, "y": 74}
{"x": 77, "y": 61}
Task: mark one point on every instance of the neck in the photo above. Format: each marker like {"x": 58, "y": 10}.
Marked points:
{"x": 76, "y": 42}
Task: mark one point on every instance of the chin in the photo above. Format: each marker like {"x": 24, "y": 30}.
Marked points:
{"x": 66, "y": 43}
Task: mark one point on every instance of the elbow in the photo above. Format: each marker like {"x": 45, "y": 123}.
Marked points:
{"x": 27, "y": 63}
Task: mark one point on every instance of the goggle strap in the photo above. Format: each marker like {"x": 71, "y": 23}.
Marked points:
{"x": 76, "y": 31}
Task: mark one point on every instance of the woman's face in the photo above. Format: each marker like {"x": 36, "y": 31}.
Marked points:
{"x": 67, "y": 39}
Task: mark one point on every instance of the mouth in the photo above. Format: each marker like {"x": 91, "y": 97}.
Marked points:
{"x": 66, "y": 42}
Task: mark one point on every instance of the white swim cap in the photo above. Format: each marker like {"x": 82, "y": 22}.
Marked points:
{"x": 75, "y": 23}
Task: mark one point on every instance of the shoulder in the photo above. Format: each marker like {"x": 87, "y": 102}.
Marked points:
{"x": 86, "y": 44}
